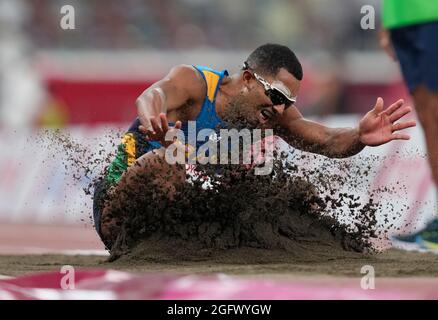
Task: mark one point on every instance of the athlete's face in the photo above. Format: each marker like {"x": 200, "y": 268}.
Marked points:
{"x": 259, "y": 107}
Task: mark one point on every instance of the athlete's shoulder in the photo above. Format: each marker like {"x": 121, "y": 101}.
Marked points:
{"x": 188, "y": 77}
{"x": 188, "y": 73}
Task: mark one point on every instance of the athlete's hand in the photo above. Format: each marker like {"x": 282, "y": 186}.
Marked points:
{"x": 159, "y": 128}
{"x": 379, "y": 126}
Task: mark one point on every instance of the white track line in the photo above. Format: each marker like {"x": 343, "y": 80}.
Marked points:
{"x": 25, "y": 250}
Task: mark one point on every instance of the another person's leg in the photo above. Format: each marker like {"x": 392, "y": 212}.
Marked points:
{"x": 417, "y": 52}
{"x": 426, "y": 104}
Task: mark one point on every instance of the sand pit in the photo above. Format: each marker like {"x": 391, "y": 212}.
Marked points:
{"x": 241, "y": 211}
{"x": 297, "y": 210}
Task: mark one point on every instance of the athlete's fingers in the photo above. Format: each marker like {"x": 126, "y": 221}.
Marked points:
{"x": 146, "y": 123}
{"x": 393, "y": 107}
{"x": 145, "y": 131}
{"x": 151, "y": 135}
{"x": 404, "y": 125}
{"x": 379, "y": 105}
{"x": 177, "y": 126}
{"x": 400, "y": 113}
{"x": 400, "y": 136}
{"x": 164, "y": 123}
{"x": 155, "y": 125}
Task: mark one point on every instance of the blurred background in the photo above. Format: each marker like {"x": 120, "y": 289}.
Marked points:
{"x": 85, "y": 81}
{"x": 55, "y": 77}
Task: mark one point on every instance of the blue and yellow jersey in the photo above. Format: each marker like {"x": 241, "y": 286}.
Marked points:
{"x": 134, "y": 144}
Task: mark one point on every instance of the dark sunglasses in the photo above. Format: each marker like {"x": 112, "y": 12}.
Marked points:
{"x": 278, "y": 98}
{"x": 277, "y": 95}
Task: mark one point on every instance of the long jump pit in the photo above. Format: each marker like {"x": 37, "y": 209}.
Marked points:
{"x": 247, "y": 237}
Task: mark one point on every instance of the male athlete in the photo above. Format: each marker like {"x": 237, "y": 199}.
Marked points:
{"x": 264, "y": 91}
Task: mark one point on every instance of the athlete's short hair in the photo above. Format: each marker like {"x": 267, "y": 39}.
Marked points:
{"x": 269, "y": 58}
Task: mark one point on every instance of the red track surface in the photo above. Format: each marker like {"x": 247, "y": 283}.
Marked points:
{"x": 109, "y": 284}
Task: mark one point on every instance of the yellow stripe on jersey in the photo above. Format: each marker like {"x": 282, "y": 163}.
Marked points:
{"x": 212, "y": 82}
{"x": 129, "y": 143}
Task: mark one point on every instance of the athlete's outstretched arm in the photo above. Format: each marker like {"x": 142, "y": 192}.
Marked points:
{"x": 377, "y": 127}
{"x": 163, "y": 99}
